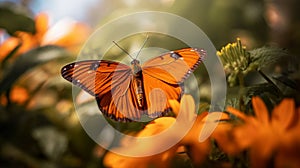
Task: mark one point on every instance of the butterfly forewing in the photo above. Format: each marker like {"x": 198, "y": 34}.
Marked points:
{"x": 93, "y": 76}
{"x": 110, "y": 82}
{"x": 175, "y": 66}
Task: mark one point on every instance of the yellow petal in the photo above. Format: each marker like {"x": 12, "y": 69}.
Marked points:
{"x": 175, "y": 106}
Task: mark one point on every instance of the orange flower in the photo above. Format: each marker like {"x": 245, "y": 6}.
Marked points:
{"x": 66, "y": 33}
{"x": 157, "y": 160}
{"x": 268, "y": 136}
{"x": 183, "y": 131}
{"x": 18, "y": 95}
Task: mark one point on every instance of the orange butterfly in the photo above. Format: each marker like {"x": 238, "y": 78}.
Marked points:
{"x": 125, "y": 93}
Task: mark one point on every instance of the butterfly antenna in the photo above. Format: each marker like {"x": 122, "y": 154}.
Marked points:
{"x": 123, "y": 49}
{"x": 147, "y": 37}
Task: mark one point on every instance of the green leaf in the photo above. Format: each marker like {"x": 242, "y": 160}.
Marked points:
{"x": 14, "y": 17}
{"x": 287, "y": 81}
{"x": 268, "y": 92}
{"x": 28, "y": 61}
{"x": 266, "y": 56}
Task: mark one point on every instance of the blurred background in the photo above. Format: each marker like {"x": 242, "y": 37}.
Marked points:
{"x": 38, "y": 123}
{"x": 256, "y": 22}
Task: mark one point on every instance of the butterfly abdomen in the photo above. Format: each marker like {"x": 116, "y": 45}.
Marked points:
{"x": 138, "y": 82}
{"x": 139, "y": 92}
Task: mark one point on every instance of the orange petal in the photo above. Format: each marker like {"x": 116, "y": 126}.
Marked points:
{"x": 28, "y": 42}
{"x": 284, "y": 115}
{"x": 224, "y": 138}
{"x": 237, "y": 113}
{"x": 210, "y": 124}
{"x": 119, "y": 161}
{"x": 41, "y": 24}
{"x": 19, "y": 95}
{"x": 262, "y": 149}
{"x": 156, "y": 126}
{"x": 198, "y": 151}
{"x": 244, "y": 135}
{"x": 67, "y": 33}
{"x": 7, "y": 46}
{"x": 260, "y": 110}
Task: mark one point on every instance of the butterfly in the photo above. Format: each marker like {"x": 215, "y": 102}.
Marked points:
{"x": 126, "y": 93}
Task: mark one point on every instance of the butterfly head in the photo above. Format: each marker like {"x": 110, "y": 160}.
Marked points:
{"x": 135, "y": 62}
{"x": 136, "y": 67}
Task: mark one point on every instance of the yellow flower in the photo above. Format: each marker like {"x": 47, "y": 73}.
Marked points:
{"x": 65, "y": 33}
{"x": 266, "y": 136}
{"x": 197, "y": 151}
{"x": 236, "y": 61}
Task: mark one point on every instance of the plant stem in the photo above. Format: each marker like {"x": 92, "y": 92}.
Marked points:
{"x": 269, "y": 81}
{"x": 241, "y": 90}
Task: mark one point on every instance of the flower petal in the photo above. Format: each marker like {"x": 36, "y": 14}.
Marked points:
{"x": 210, "y": 124}
{"x": 237, "y": 113}
{"x": 41, "y": 25}
{"x": 157, "y": 126}
{"x": 175, "y": 106}
{"x": 261, "y": 152}
{"x": 198, "y": 151}
{"x": 8, "y": 46}
{"x": 284, "y": 115}
{"x": 245, "y": 135}
{"x": 67, "y": 33}
{"x": 260, "y": 110}
{"x": 187, "y": 110}
{"x": 19, "y": 95}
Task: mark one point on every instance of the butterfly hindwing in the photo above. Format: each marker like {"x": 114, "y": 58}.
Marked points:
{"x": 157, "y": 94}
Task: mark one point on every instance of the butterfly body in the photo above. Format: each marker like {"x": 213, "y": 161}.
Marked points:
{"x": 138, "y": 81}
{"x": 125, "y": 93}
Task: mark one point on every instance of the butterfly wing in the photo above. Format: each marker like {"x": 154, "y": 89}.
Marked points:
{"x": 111, "y": 84}
{"x": 163, "y": 77}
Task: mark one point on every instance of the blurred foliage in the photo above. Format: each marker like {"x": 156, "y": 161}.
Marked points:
{"x": 38, "y": 122}
{"x": 19, "y": 14}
